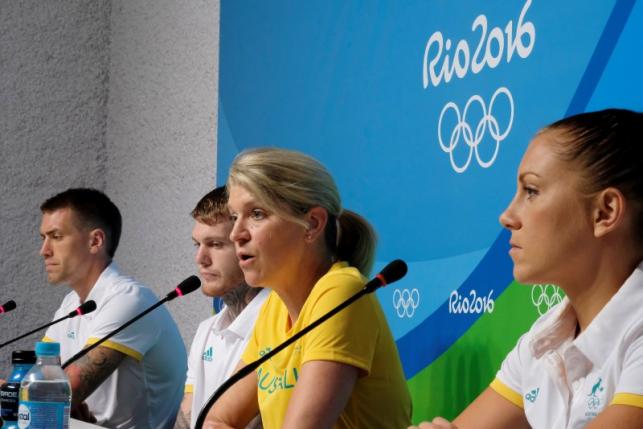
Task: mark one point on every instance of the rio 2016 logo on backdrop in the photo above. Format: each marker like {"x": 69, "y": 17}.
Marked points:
{"x": 490, "y": 50}
{"x": 462, "y": 61}
{"x": 544, "y": 297}
{"x": 405, "y": 302}
{"x": 472, "y": 137}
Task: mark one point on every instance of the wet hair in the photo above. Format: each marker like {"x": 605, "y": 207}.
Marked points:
{"x": 290, "y": 183}
{"x": 92, "y": 209}
{"x": 212, "y": 208}
{"x": 608, "y": 147}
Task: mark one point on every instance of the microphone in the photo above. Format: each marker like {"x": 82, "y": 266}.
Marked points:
{"x": 392, "y": 272}
{"x": 8, "y": 306}
{"x": 188, "y": 285}
{"x": 84, "y": 308}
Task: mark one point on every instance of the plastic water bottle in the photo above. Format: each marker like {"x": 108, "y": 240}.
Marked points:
{"x": 22, "y": 361}
{"x": 45, "y": 393}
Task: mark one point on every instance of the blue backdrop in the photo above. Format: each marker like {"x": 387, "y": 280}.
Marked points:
{"x": 422, "y": 110}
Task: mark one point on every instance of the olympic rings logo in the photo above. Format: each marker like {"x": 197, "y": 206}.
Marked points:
{"x": 544, "y": 297}
{"x": 405, "y": 302}
{"x": 473, "y": 138}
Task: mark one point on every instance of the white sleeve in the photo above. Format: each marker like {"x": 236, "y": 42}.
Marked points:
{"x": 631, "y": 380}
{"x": 194, "y": 360}
{"x": 513, "y": 367}
{"x": 118, "y": 309}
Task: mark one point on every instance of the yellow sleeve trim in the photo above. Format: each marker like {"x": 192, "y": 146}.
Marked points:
{"x": 118, "y": 347}
{"x": 48, "y": 340}
{"x": 507, "y": 393}
{"x": 188, "y": 388}
{"x": 628, "y": 399}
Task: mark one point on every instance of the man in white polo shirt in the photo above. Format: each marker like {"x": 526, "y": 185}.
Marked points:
{"x": 134, "y": 379}
{"x": 221, "y": 339}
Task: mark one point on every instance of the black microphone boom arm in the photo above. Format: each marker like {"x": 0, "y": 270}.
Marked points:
{"x": 186, "y": 286}
{"x": 85, "y": 308}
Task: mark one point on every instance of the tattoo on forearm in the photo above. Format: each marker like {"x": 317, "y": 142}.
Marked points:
{"x": 86, "y": 374}
{"x": 183, "y": 420}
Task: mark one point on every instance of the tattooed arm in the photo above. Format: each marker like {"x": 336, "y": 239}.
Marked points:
{"x": 88, "y": 372}
{"x": 185, "y": 413}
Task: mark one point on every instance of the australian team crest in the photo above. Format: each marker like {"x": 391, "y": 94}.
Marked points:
{"x": 595, "y": 399}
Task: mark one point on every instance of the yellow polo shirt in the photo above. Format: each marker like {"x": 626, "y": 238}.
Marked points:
{"x": 358, "y": 336}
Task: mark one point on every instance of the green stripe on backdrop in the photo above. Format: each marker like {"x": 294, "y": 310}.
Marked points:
{"x": 456, "y": 378}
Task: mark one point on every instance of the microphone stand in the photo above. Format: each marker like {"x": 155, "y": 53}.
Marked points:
{"x": 370, "y": 287}
{"x": 33, "y": 331}
{"x": 70, "y": 315}
{"x": 188, "y": 285}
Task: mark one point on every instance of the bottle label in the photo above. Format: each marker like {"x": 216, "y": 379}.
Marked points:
{"x": 43, "y": 415}
{"x": 9, "y": 401}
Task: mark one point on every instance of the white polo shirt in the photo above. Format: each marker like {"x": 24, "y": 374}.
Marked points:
{"x": 562, "y": 382}
{"x": 146, "y": 390}
{"x": 216, "y": 351}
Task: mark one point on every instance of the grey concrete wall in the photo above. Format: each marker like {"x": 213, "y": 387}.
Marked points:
{"x": 117, "y": 95}
{"x": 54, "y": 62}
{"x": 161, "y": 136}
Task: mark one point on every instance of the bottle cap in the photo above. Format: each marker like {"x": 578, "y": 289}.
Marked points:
{"x": 47, "y": 349}
{"x": 23, "y": 356}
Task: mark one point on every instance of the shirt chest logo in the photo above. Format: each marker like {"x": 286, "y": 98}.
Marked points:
{"x": 594, "y": 398}
{"x": 207, "y": 354}
{"x": 71, "y": 334}
{"x": 533, "y": 395}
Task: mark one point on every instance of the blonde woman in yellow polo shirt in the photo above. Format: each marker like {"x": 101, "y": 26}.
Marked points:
{"x": 292, "y": 236}
{"x": 576, "y": 221}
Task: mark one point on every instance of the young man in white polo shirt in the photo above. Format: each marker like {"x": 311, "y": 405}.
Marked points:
{"x": 221, "y": 339}
{"x": 133, "y": 380}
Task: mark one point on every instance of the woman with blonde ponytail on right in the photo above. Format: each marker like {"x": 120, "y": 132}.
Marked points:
{"x": 292, "y": 236}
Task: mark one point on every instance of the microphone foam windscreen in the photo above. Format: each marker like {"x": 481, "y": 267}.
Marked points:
{"x": 8, "y": 306}
{"x": 87, "y": 307}
{"x": 188, "y": 285}
{"x": 394, "y": 271}
{"x": 84, "y": 308}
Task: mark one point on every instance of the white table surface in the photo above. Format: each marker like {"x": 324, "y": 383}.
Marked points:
{"x": 77, "y": 424}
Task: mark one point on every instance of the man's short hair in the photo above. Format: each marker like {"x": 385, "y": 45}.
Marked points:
{"x": 93, "y": 209}
{"x": 213, "y": 207}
